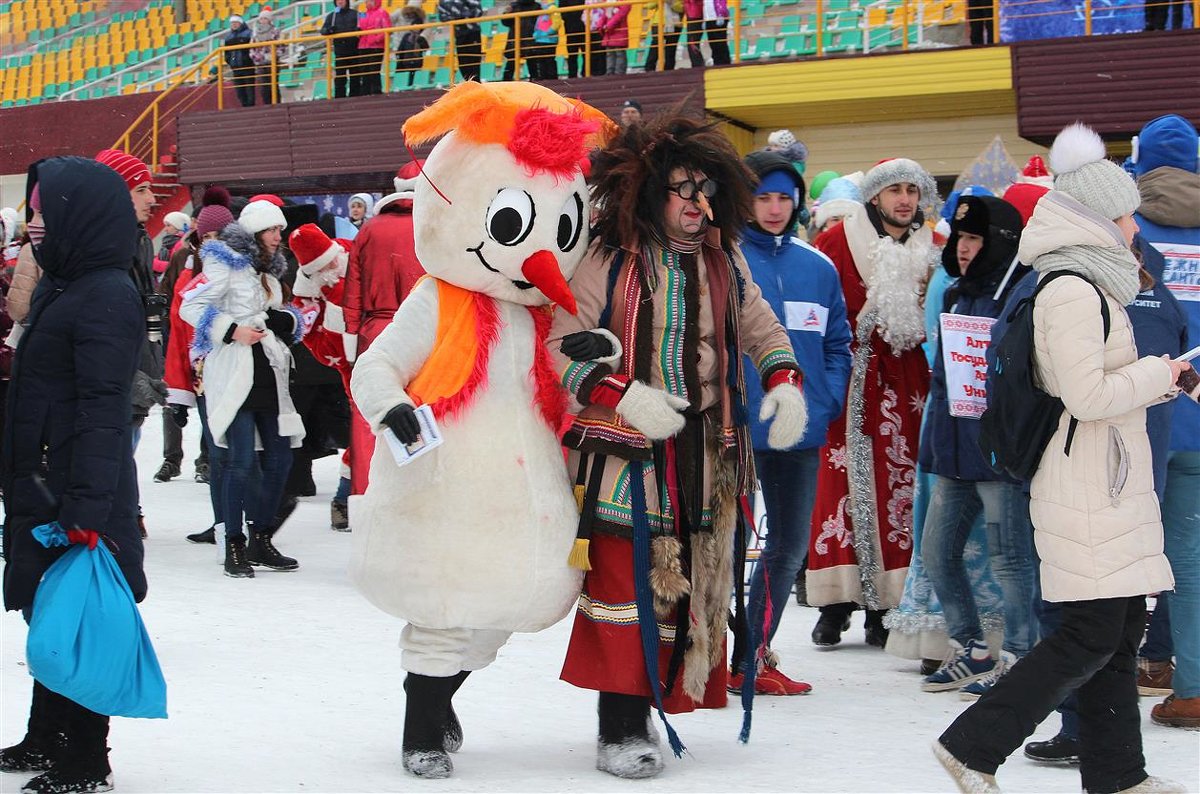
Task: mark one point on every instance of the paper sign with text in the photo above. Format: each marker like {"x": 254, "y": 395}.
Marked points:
{"x": 964, "y": 342}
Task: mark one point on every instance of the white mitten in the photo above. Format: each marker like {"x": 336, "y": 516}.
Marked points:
{"x": 654, "y": 412}
{"x": 786, "y": 403}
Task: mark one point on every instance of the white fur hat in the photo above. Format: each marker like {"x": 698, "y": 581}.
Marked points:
{"x": 260, "y": 215}
{"x": 897, "y": 170}
{"x": 1082, "y": 171}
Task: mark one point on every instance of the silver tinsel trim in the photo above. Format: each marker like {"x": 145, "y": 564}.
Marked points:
{"x": 914, "y": 622}
{"x": 860, "y": 466}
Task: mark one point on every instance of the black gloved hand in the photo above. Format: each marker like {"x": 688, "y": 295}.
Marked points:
{"x": 178, "y": 414}
{"x": 282, "y": 324}
{"x": 586, "y": 346}
{"x": 402, "y": 421}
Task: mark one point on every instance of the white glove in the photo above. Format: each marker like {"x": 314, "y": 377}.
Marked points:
{"x": 653, "y": 412}
{"x": 786, "y": 403}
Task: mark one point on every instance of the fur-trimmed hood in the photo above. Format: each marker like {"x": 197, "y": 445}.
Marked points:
{"x": 242, "y": 250}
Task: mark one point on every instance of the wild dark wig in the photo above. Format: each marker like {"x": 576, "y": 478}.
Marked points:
{"x": 630, "y": 176}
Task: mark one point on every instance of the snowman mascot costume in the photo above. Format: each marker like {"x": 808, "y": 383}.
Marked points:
{"x": 470, "y": 542}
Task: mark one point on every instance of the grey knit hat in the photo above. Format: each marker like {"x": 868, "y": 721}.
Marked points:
{"x": 1082, "y": 172}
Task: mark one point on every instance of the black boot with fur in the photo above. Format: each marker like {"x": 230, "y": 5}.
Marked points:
{"x": 426, "y": 716}
{"x": 83, "y": 766}
{"x": 628, "y": 746}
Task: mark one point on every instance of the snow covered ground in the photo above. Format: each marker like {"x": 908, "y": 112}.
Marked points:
{"x": 292, "y": 682}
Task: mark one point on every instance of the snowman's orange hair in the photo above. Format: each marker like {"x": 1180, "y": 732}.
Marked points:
{"x": 543, "y": 130}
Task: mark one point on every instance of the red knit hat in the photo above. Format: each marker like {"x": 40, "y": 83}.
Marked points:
{"x": 313, "y": 249}
{"x": 128, "y": 167}
{"x": 1024, "y": 196}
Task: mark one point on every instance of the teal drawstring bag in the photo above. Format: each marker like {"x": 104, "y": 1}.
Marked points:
{"x": 87, "y": 641}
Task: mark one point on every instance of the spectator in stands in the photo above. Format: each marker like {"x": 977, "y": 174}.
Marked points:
{"x": 520, "y": 28}
{"x": 266, "y": 58}
{"x": 343, "y": 19}
{"x": 980, "y": 15}
{"x": 707, "y": 19}
{"x": 672, "y": 27}
{"x": 576, "y": 32}
{"x": 543, "y": 65}
{"x": 616, "y": 39}
{"x": 631, "y": 113}
{"x": 594, "y": 17}
{"x": 239, "y": 61}
{"x": 468, "y": 46}
{"x": 411, "y": 44}
{"x": 370, "y": 47}
{"x": 1158, "y": 10}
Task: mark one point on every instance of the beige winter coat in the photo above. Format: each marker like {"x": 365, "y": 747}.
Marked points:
{"x": 1095, "y": 514}
{"x": 26, "y": 276}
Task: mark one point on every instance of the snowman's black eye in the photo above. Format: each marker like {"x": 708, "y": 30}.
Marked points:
{"x": 570, "y": 222}
{"x": 510, "y": 216}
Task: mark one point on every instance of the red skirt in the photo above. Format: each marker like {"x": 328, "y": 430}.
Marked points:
{"x": 605, "y": 652}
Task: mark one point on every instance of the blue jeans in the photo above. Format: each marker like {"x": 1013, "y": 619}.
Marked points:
{"x": 343, "y": 491}
{"x": 953, "y": 508}
{"x": 238, "y": 496}
{"x": 789, "y": 488}
{"x": 216, "y": 461}
{"x": 1181, "y": 536}
{"x": 1158, "y": 646}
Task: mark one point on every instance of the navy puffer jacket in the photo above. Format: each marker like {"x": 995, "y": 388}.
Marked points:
{"x": 950, "y": 445}
{"x": 68, "y": 455}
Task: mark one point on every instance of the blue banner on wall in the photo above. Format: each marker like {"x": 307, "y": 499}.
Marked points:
{"x": 1022, "y": 20}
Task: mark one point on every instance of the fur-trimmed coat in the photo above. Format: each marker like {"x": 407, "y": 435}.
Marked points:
{"x": 230, "y": 292}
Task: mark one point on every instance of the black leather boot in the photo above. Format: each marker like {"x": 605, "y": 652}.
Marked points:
{"x": 426, "y": 713}
{"x": 236, "y": 564}
{"x": 262, "y": 552}
{"x": 44, "y": 738}
{"x": 875, "y": 634}
{"x": 626, "y": 747}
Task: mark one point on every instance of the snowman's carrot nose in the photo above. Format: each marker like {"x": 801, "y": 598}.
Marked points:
{"x": 541, "y": 270}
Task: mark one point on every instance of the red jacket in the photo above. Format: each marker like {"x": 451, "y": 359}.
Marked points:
{"x": 383, "y": 269}
{"x": 324, "y": 338}
{"x": 178, "y": 373}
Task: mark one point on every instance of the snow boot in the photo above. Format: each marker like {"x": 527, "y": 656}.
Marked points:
{"x": 339, "y": 517}
{"x": 1156, "y": 785}
{"x": 834, "y": 619}
{"x": 262, "y": 552}
{"x": 626, "y": 747}
{"x": 236, "y": 564}
{"x": 201, "y": 475}
{"x": 83, "y": 766}
{"x": 969, "y": 781}
{"x": 43, "y": 741}
{"x": 875, "y": 634}
{"x": 453, "y": 734}
{"x": 425, "y": 718}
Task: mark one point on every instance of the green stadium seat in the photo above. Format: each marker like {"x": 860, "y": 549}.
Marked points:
{"x": 488, "y": 72}
{"x": 800, "y": 44}
{"x": 790, "y": 24}
{"x": 442, "y": 77}
{"x": 320, "y": 90}
{"x": 421, "y": 78}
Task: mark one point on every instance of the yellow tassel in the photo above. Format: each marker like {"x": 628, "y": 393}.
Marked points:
{"x": 579, "y": 500}
{"x": 578, "y": 558}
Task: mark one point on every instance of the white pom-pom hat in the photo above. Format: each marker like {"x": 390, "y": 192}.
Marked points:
{"x": 261, "y": 215}
{"x": 1082, "y": 171}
